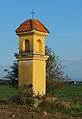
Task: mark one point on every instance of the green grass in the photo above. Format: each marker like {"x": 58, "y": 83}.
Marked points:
{"x": 71, "y": 91}
{"x": 7, "y": 91}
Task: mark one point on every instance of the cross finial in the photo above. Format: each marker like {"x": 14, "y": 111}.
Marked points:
{"x": 32, "y": 13}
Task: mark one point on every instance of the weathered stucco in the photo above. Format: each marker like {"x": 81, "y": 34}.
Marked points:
{"x": 32, "y": 63}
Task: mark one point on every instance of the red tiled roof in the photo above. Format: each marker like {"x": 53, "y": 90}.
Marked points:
{"x": 32, "y": 24}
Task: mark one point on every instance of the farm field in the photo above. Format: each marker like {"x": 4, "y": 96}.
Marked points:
{"x": 6, "y": 91}
{"x": 71, "y": 91}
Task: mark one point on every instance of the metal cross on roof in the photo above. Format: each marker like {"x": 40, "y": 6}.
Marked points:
{"x": 32, "y": 13}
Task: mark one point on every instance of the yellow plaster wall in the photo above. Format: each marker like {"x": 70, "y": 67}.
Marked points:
{"x": 32, "y": 68}
{"x": 33, "y": 71}
{"x": 33, "y": 43}
{"x": 42, "y": 39}
{"x": 25, "y": 72}
{"x": 39, "y": 77}
{"x": 22, "y": 39}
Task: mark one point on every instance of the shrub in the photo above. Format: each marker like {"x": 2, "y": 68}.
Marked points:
{"x": 25, "y": 96}
{"x": 53, "y": 86}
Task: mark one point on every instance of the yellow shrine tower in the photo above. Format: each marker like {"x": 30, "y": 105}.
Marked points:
{"x": 31, "y": 56}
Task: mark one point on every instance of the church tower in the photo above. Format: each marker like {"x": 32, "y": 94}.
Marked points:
{"x": 31, "y": 56}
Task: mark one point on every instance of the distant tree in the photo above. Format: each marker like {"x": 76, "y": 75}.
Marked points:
{"x": 54, "y": 72}
{"x": 54, "y": 67}
{"x": 12, "y": 73}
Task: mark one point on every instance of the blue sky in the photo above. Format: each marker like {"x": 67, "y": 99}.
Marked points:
{"x": 63, "y": 18}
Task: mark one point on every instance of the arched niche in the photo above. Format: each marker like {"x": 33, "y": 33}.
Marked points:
{"x": 39, "y": 46}
{"x": 27, "y": 45}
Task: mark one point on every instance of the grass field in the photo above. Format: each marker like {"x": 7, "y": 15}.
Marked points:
{"x": 69, "y": 91}
{"x": 6, "y": 92}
